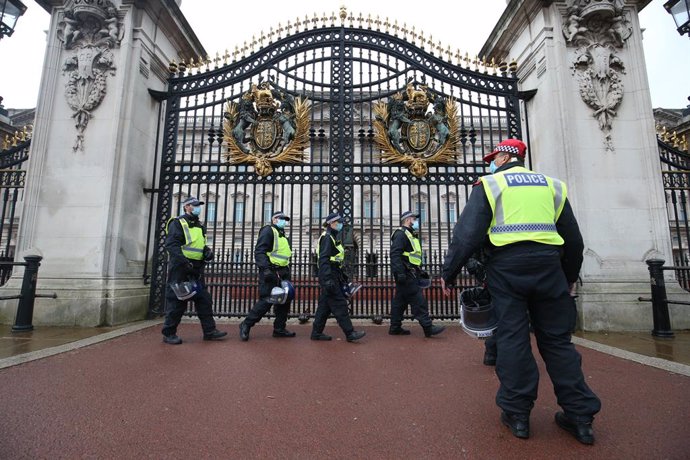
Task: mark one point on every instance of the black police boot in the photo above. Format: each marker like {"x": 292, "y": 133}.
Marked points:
{"x": 320, "y": 336}
{"x": 244, "y": 331}
{"x": 581, "y": 429}
{"x": 398, "y": 330}
{"x": 355, "y": 335}
{"x": 172, "y": 339}
{"x": 283, "y": 333}
{"x": 518, "y": 424}
{"x": 489, "y": 358}
{"x": 215, "y": 335}
{"x": 433, "y": 330}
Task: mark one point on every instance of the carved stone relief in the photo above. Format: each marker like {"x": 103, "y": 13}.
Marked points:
{"x": 89, "y": 30}
{"x": 597, "y": 29}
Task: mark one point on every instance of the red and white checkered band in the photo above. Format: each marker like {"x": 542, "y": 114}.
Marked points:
{"x": 508, "y": 149}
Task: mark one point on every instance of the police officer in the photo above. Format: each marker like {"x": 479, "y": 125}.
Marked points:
{"x": 332, "y": 279}
{"x": 406, "y": 263}
{"x": 535, "y": 255}
{"x": 187, "y": 254}
{"x": 272, "y": 255}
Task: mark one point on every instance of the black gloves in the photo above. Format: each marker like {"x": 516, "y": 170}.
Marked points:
{"x": 208, "y": 254}
{"x": 476, "y": 268}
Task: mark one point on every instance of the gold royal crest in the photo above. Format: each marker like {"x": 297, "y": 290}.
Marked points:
{"x": 408, "y": 132}
{"x": 266, "y": 127}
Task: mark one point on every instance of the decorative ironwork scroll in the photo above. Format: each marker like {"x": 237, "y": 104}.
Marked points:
{"x": 92, "y": 29}
{"x": 409, "y": 134}
{"x": 597, "y": 30}
{"x": 267, "y": 127}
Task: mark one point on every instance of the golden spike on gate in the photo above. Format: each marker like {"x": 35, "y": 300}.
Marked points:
{"x": 6, "y": 142}
{"x": 413, "y": 34}
{"x": 377, "y": 22}
{"x": 368, "y": 21}
{"x": 235, "y": 53}
{"x": 513, "y": 66}
{"x": 458, "y": 58}
{"x": 315, "y": 21}
{"x": 254, "y": 42}
{"x": 343, "y": 14}
{"x": 350, "y": 20}
{"x": 493, "y": 66}
{"x": 279, "y": 30}
{"x": 439, "y": 48}
{"x": 404, "y": 31}
{"x": 288, "y": 27}
{"x": 422, "y": 40}
{"x": 324, "y": 19}
{"x": 226, "y": 57}
{"x": 298, "y": 23}
{"x": 396, "y": 28}
{"x": 271, "y": 33}
{"x": 387, "y": 25}
{"x": 172, "y": 67}
{"x": 182, "y": 67}
{"x": 216, "y": 60}
{"x": 333, "y": 18}
{"x": 360, "y": 20}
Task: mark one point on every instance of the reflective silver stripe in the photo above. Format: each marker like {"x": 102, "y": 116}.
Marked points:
{"x": 278, "y": 256}
{"x": 520, "y": 228}
{"x": 558, "y": 198}
{"x": 188, "y": 249}
{"x": 496, "y": 194}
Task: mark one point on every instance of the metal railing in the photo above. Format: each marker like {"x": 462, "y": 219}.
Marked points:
{"x": 25, "y": 310}
{"x": 659, "y": 299}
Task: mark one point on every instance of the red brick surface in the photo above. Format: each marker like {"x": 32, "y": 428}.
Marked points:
{"x": 385, "y": 397}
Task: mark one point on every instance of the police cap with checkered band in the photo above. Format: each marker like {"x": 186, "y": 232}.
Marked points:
{"x": 512, "y": 146}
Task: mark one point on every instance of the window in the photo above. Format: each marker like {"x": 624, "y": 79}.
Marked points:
{"x": 450, "y": 212}
{"x": 237, "y": 250}
{"x": 421, "y": 210}
{"x": 268, "y": 211}
{"x": 369, "y": 208}
{"x": 318, "y": 210}
{"x": 239, "y": 211}
{"x": 210, "y": 211}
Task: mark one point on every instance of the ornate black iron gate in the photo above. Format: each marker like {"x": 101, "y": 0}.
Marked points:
{"x": 355, "y": 94}
{"x": 675, "y": 174}
{"x": 15, "y": 151}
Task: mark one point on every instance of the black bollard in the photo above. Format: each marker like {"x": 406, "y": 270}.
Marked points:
{"x": 662, "y": 322}
{"x": 25, "y": 310}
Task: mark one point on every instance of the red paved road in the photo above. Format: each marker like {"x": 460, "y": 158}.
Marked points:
{"x": 386, "y": 397}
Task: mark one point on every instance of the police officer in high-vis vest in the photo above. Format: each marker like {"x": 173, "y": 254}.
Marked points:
{"x": 187, "y": 255}
{"x": 406, "y": 266}
{"x": 332, "y": 280}
{"x": 534, "y": 256}
{"x": 272, "y": 255}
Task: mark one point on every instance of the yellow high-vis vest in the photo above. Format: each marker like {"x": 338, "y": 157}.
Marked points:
{"x": 414, "y": 257}
{"x": 281, "y": 253}
{"x": 525, "y": 206}
{"x": 194, "y": 239}
{"x": 338, "y": 258}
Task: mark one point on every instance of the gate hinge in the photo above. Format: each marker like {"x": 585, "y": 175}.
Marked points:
{"x": 159, "y": 95}
{"x": 151, "y": 190}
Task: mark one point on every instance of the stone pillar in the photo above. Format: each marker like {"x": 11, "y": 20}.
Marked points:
{"x": 92, "y": 155}
{"x": 591, "y": 124}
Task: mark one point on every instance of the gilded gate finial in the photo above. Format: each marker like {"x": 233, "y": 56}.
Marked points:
{"x": 343, "y": 14}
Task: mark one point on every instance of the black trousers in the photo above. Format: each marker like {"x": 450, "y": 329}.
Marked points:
{"x": 409, "y": 294}
{"x": 530, "y": 279}
{"x": 332, "y": 300}
{"x": 174, "y": 309}
{"x": 261, "y": 307}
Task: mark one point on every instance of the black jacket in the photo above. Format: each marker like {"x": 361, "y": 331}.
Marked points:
{"x": 401, "y": 243}
{"x": 328, "y": 271}
{"x": 264, "y": 244}
{"x": 470, "y": 233}
{"x": 178, "y": 264}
